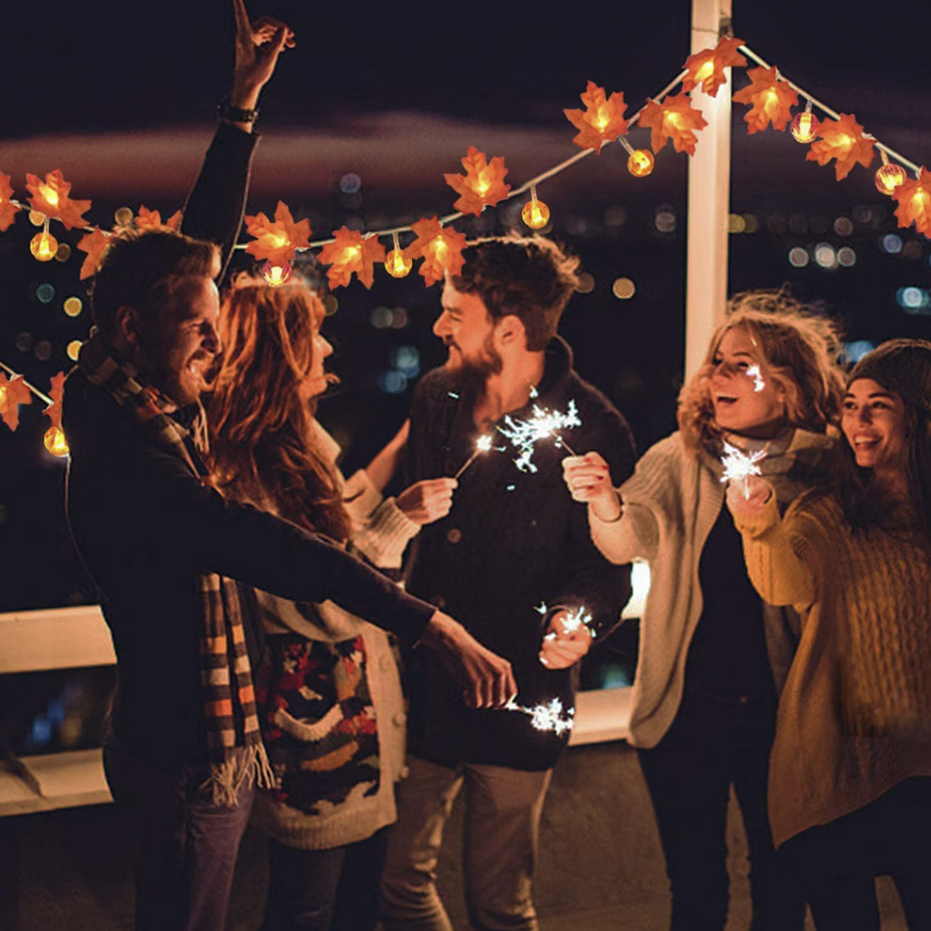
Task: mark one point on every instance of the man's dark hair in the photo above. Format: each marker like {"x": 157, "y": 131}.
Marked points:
{"x": 141, "y": 268}
{"x": 530, "y": 278}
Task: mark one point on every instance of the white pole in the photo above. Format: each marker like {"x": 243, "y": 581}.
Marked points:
{"x": 709, "y": 188}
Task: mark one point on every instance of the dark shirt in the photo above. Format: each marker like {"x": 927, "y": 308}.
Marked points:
{"x": 513, "y": 541}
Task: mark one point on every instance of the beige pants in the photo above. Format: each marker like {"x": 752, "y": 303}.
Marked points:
{"x": 502, "y": 822}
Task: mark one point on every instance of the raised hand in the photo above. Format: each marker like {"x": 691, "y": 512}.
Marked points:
{"x": 258, "y": 46}
{"x": 588, "y": 479}
{"x": 428, "y": 500}
{"x": 751, "y": 501}
{"x": 564, "y": 646}
{"x": 487, "y": 679}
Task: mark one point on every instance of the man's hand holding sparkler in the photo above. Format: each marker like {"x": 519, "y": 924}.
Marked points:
{"x": 427, "y": 501}
{"x": 567, "y": 640}
{"x": 588, "y": 479}
{"x": 487, "y": 679}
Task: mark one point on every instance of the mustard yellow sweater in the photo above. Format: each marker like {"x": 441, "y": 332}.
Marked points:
{"x": 855, "y": 713}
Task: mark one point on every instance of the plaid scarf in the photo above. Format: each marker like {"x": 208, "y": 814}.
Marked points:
{"x": 237, "y": 754}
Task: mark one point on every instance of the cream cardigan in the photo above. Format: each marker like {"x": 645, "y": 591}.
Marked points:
{"x": 671, "y": 502}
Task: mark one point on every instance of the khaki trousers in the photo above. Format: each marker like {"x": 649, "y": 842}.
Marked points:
{"x": 502, "y": 826}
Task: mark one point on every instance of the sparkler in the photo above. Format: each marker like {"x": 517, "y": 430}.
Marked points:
{"x": 574, "y": 619}
{"x": 482, "y": 445}
{"x": 544, "y": 424}
{"x": 739, "y": 466}
{"x": 753, "y": 372}
{"x": 547, "y": 716}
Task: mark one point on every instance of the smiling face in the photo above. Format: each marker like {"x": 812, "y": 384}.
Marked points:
{"x": 176, "y": 350}
{"x": 745, "y": 397}
{"x": 875, "y": 424}
{"x": 467, "y": 329}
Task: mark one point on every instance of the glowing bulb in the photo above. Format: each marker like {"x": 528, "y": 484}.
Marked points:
{"x": 888, "y": 176}
{"x": 49, "y": 194}
{"x": 55, "y": 441}
{"x": 640, "y": 163}
{"x": 2, "y": 395}
{"x": 535, "y": 213}
{"x": 804, "y": 127}
{"x": 397, "y": 264}
{"x": 482, "y": 187}
{"x": 276, "y": 275}
{"x": 439, "y": 247}
{"x": 704, "y": 72}
{"x": 44, "y": 246}
{"x": 603, "y": 120}
{"x": 279, "y": 240}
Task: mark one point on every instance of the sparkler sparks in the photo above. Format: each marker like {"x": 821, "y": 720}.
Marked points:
{"x": 482, "y": 445}
{"x": 739, "y": 466}
{"x": 544, "y": 424}
{"x": 546, "y": 716}
{"x": 574, "y": 619}
{"x": 753, "y": 372}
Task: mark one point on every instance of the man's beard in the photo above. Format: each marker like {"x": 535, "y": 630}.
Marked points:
{"x": 476, "y": 372}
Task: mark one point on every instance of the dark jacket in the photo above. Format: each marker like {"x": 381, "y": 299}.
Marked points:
{"x": 512, "y": 541}
{"x": 147, "y": 527}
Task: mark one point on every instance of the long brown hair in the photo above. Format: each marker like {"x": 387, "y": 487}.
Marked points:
{"x": 262, "y": 437}
{"x": 801, "y": 351}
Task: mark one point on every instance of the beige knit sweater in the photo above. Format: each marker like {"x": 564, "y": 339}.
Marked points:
{"x": 855, "y": 713}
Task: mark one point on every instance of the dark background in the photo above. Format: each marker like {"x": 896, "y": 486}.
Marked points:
{"x": 122, "y": 98}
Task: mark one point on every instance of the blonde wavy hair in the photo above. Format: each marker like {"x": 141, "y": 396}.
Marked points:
{"x": 801, "y": 351}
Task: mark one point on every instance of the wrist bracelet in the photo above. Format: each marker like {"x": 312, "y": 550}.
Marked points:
{"x": 227, "y": 111}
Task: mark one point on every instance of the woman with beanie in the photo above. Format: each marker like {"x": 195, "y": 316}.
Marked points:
{"x": 850, "y": 777}
{"x": 712, "y": 656}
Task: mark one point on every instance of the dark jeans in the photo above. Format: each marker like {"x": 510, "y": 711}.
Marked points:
{"x": 837, "y": 863}
{"x": 710, "y": 746}
{"x": 325, "y": 890}
{"x": 187, "y": 844}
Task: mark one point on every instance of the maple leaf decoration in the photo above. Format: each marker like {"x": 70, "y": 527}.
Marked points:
{"x": 277, "y": 241}
{"x": 51, "y": 197}
{"x": 8, "y": 209}
{"x": 152, "y": 220}
{"x": 675, "y": 118}
{"x": 56, "y": 394}
{"x": 914, "y": 199}
{"x": 601, "y": 121}
{"x": 771, "y": 100}
{"x": 482, "y": 185}
{"x": 707, "y": 67}
{"x": 440, "y": 249}
{"x": 843, "y": 140}
{"x": 13, "y": 392}
{"x": 351, "y": 253}
{"x": 95, "y": 244}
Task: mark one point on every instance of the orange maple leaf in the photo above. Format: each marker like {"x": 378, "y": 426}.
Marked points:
{"x": 441, "y": 249}
{"x": 841, "y": 139}
{"x": 482, "y": 185}
{"x": 351, "y": 252}
{"x": 13, "y": 392}
{"x": 675, "y": 118}
{"x": 601, "y": 121}
{"x": 152, "y": 220}
{"x": 51, "y": 197}
{"x": 770, "y": 98}
{"x": 8, "y": 209}
{"x": 277, "y": 241}
{"x": 95, "y": 244}
{"x": 707, "y": 67}
{"x": 914, "y": 199}
{"x": 56, "y": 394}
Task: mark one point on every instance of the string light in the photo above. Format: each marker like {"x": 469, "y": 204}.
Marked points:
{"x": 55, "y": 442}
{"x": 397, "y": 262}
{"x": 804, "y": 127}
{"x": 276, "y": 275}
{"x": 640, "y": 162}
{"x": 535, "y": 213}
{"x": 44, "y": 246}
{"x": 888, "y": 176}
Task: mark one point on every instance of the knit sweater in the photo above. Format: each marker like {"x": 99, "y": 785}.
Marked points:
{"x": 671, "y": 502}
{"x": 332, "y": 707}
{"x": 854, "y": 717}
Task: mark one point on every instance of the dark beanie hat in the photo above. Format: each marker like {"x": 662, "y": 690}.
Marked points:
{"x": 902, "y": 366}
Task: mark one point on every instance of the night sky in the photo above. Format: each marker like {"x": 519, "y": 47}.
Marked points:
{"x": 122, "y": 98}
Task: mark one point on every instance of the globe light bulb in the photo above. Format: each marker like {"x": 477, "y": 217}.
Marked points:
{"x": 55, "y": 442}
{"x": 804, "y": 127}
{"x": 640, "y": 163}
{"x": 888, "y": 176}
{"x": 397, "y": 262}
{"x": 535, "y": 213}
{"x": 276, "y": 275}
{"x": 44, "y": 246}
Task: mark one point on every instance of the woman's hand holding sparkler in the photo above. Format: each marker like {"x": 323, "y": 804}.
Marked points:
{"x": 487, "y": 679}
{"x": 427, "y": 501}
{"x": 748, "y": 495}
{"x": 588, "y": 479}
{"x": 566, "y": 641}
